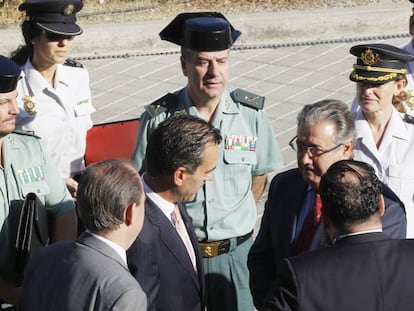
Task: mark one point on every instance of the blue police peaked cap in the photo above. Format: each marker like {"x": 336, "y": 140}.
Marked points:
{"x": 9, "y": 75}
{"x": 201, "y": 31}
{"x": 378, "y": 63}
{"x": 55, "y": 16}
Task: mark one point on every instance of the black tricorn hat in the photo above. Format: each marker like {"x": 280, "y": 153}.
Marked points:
{"x": 55, "y": 16}
{"x": 9, "y": 75}
{"x": 201, "y": 31}
{"x": 378, "y": 63}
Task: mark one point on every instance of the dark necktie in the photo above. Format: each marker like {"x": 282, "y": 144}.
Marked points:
{"x": 309, "y": 226}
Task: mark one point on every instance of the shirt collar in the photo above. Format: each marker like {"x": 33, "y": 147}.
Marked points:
{"x": 165, "y": 206}
{"x": 339, "y": 237}
{"x": 118, "y": 249}
{"x": 396, "y": 126}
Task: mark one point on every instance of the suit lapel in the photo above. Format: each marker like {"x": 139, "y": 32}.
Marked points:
{"x": 194, "y": 243}
{"x": 170, "y": 238}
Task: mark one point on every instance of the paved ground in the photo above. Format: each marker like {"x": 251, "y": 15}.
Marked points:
{"x": 292, "y": 58}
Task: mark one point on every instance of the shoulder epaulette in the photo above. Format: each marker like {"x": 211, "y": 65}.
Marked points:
{"x": 72, "y": 63}
{"x": 166, "y": 103}
{"x": 248, "y": 99}
{"x": 27, "y": 133}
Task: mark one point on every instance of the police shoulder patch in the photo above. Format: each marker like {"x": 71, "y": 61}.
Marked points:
{"x": 248, "y": 99}
{"x": 168, "y": 102}
{"x": 72, "y": 63}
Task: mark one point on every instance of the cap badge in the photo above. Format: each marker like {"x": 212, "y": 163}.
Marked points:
{"x": 68, "y": 9}
{"x": 369, "y": 57}
{"x": 29, "y": 105}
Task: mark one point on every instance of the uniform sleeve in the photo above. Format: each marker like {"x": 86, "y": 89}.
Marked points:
{"x": 146, "y": 126}
{"x": 269, "y": 156}
{"x": 59, "y": 200}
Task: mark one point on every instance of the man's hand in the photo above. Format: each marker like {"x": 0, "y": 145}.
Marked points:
{"x": 259, "y": 183}
{"x": 72, "y": 186}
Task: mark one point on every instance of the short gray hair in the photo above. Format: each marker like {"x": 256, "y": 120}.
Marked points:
{"x": 333, "y": 111}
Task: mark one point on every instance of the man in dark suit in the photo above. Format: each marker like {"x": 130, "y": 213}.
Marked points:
{"x": 364, "y": 269}
{"x": 325, "y": 135}
{"x": 91, "y": 273}
{"x": 181, "y": 156}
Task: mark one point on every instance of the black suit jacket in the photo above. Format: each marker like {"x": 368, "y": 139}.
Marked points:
{"x": 368, "y": 272}
{"x": 159, "y": 261}
{"x": 275, "y": 239}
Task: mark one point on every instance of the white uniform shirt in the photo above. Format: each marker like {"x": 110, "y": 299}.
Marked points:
{"x": 62, "y": 115}
{"x": 393, "y": 160}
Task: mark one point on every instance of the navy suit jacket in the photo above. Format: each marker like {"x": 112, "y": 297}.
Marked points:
{"x": 275, "y": 239}
{"x": 368, "y": 272}
{"x": 85, "y": 274}
{"x": 159, "y": 261}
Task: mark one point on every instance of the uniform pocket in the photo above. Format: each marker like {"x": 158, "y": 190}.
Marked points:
{"x": 401, "y": 180}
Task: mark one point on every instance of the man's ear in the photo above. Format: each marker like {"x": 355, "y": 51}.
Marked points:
{"x": 183, "y": 66}
{"x": 349, "y": 149}
{"x": 329, "y": 227}
{"x": 129, "y": 214}
{"x": 179, "y": 175}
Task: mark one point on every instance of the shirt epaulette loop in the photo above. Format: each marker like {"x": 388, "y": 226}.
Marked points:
{"x": 409, "y": 118}
{"x": 72, "y": 63}
{"x": 168, "y": 102}
{"x": 248, "y": 99}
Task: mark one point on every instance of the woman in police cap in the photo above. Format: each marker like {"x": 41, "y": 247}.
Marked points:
{"x": 385, "y": 136}
{"x": 54, "y": 93}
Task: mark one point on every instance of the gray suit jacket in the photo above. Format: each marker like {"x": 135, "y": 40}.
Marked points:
{"x": 86, "y": 274}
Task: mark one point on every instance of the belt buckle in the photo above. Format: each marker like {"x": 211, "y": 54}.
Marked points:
{"x": 209, "y": 249}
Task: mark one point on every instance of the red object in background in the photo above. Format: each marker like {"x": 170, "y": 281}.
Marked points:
{"x": 111, "y": 140}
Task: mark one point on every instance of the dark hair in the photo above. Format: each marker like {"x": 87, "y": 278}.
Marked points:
{"x": 350, "y": 193}
{"x": 333, "y": 111}
{"x": 105, "y": 190}
{"x": 23, "y": 52}
{"x": 179, "y": 141}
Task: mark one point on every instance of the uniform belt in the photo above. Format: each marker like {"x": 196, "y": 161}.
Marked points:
{"x": 215, "y": 248}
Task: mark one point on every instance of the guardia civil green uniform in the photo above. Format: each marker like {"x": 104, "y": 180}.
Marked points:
{"x": 224, "y": 209}
{"x": 23, "y": 169}
{"x": 26, "y": 169}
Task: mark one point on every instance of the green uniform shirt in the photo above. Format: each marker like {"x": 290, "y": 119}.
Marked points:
{"x": 26, "y": 169}
{"x": 225, "y": 207}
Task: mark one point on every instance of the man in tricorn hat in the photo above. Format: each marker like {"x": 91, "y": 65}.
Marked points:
{"x": 25, "y": 169}
{"x": 385, "y": 136}
{"x": 224, "y": 210}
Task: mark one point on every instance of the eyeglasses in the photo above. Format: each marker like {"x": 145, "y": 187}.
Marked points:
{"x": 312, "y": 151}
{"x": 54, "y": 37}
